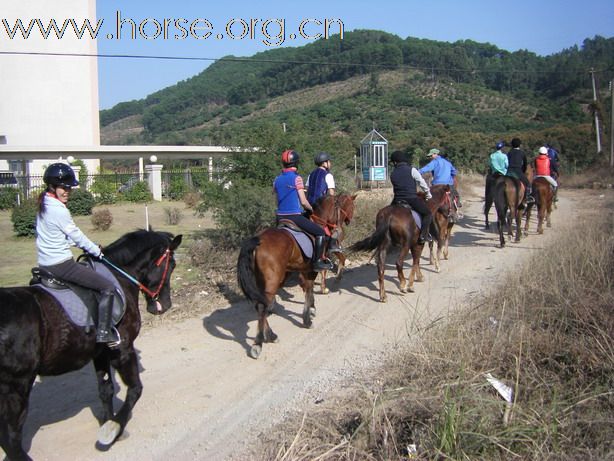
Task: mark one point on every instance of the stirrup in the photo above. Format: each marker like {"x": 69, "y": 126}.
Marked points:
{"x": 111, "y": 338}
{"x": 322, "y": 265}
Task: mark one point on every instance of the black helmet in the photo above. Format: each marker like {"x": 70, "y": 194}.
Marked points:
{"x": 60, "y": 174}
{"x": 321, "y": 157}
{"x": 516, "y": 142}
{"x": 499, "y": 145}
{"x": 398, "y": 157}
{"x": 289, "y": 158}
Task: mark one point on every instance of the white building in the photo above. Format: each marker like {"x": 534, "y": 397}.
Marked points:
{"x": 47, "y": 100}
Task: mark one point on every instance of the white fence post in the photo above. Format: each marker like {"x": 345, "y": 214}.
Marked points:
{"x": 154, "y": 180}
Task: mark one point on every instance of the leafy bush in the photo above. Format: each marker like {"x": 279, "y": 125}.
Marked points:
{"x": 138, "y": 193}
{"x": 81, "y": 202}
{"x": 177, "y": 188}
{"x": 24, "y": 218}
{"x": 191, "y": 199}
{"x": 102, "y": 219}
{"x": 240, "y": 211}
{"x": 8, "y": 197}
{"x": 173, "y": 216}
{"x": 105, "y": 189}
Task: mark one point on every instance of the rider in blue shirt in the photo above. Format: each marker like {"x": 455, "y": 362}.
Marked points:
{"x": 443, "y": 172}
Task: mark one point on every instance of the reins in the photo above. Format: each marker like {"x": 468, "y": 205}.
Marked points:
{"x": 166, "y": 256}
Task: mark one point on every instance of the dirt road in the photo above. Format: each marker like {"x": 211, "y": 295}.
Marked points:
{"x": 204, "y": 397}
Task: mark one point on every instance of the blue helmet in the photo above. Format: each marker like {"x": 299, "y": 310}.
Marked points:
{"x": 499, "y": 145}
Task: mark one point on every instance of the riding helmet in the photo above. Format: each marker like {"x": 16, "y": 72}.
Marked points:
{"x": 499, "y": 145}
{"x": 289, "y": 158}
{"x": 398, "y": 157}
{"x": 321, "y": 157}
{"x": 60, "y": 174}
{"x": 516, "y": 142}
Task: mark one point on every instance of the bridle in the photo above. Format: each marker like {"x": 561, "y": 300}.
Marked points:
{"x": 339, "y": 213}
{"x": 164, "y": 258}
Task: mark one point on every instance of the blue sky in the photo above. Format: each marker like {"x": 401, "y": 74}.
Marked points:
{"x": 541, "y": 26}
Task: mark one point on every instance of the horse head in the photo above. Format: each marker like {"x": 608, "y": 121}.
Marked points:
{"x": 345, "y": 203}
{"x": 149, "y": 257}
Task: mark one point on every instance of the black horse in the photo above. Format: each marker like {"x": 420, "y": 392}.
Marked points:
{"x": 38, "y": 338}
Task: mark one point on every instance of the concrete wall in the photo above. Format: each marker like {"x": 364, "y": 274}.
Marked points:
{"x": 48, "y": 100}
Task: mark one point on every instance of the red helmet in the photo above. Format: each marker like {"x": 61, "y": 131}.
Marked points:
{"x": 289, "y": 158}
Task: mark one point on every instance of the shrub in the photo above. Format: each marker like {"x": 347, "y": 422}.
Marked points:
{"x": 24, "y": 218}
{"x": 8, "y": 197}
{"x": 138, "y": 193}
{"x": 191, "y": 199}
{"x": 177, "y": 188}
{"x": 105, "y": 189}
{"x": 173, "y": 216}
{"x": 81, "y": 202}
{"x": 102, "y": 219}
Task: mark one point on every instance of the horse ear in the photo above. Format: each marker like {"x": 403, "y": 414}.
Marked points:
{"x": 176, "y": 242}
{"x": 354, "y": 196}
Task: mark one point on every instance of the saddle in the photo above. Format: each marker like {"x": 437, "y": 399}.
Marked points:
{"x": 415, "y": 214}
{"x": 305, "y": 241}
{"x": 80, "y": 303}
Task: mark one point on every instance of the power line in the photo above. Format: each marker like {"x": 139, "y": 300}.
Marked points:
{"x": 275, "y": 61}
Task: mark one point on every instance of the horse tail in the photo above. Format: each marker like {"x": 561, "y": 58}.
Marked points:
{"x": 246, "y": 273}
{"x": 500, "y": 198}
{"x": 375, "y": 239}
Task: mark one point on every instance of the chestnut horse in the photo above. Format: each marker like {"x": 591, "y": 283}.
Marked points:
{"x": 38, "y": 338}
{"x": 543, "y": 193}
{"x": 264, "y": 262}
{"x": 508, "y": 195}
{"x": 333, "y": 212}
{"x": 395, "y": 225}
{"x": 441, "y": 207}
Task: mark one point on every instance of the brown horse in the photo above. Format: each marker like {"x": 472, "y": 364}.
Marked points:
{"x": 333, "y": 212}
{"x": 543, "y": 193}
{"x": 441, "y": 208}
{"x": 264, "y": 263}
{"x": 508, "y": 195}
{"x": 394, "y": 224}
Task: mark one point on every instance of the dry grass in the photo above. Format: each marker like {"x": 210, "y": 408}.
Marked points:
{"x": 548, "y": 333}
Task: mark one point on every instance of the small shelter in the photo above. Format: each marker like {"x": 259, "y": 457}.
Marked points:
{"x": 374, "y": 157}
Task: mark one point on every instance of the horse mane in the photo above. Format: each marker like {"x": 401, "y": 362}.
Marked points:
{"x": 126, "y": 248}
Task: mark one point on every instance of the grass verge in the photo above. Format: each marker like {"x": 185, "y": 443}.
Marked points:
{"x": 547, "y": 333}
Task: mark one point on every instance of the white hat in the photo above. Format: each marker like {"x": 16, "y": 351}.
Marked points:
{"x": 543, "y": 150}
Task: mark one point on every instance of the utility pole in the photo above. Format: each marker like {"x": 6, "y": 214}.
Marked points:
{"x": 592, "y": 71}
{"x": 612, "y": 124}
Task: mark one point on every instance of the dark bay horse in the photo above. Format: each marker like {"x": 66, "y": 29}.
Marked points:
{"x": 394, "y": 225}
{"x": 38, "y": 338}
{"x": 544, "y": 195}
{"x": 441, "y": 207}
{"x": 508, "y": 194}
{"x": 333, "y": 212}
{"x": 263, "y": 265}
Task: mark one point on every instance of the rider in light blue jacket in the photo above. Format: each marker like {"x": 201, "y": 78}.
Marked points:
{"x": 443, "y": 173}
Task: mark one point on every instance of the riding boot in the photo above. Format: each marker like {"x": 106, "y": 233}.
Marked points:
{"x": 555, "y": 198}
{"x": 106, "y": 332}
{"x": 424, "y": 230}
{"x": 333, "y": 246}
{"x": 319, "y": 264}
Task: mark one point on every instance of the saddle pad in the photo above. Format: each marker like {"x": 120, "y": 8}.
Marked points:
{"x": 417, "y": 218}
{"x": 74, "y": 306}
{"x": 304, "y": 242}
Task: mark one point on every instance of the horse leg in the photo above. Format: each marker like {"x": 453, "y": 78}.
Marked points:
{"x": 340, "y": 266}
{"x": 540, "y": 220}
{"x": 415, "y": 273}
{"x": 265, "y": 334}
{"x": 380, "y": 257}
{"x": 13, "y": 412}
{"x": 399, "y": 265}
{"x": 309, "y": 307}
{"x": 106, "y": 390}
{"x": 127, "y": 367}
{"x": 518, "y": 219}
{"x": 446, "y": 242}
{"x": 323, "y": 288}
{"x": 528, "y": 217}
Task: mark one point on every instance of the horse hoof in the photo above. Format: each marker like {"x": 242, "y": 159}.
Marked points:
{"x": 107, "y": 434}
{"x": 312, "y": 312}
{"x": 255, "y": 351}
{"x": 325, "y": 291}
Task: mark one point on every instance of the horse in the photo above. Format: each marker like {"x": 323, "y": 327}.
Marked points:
{"x": 441, "y": 207}
{"x": 395, "y": 224}
{"x": 38, "y": 338}
{"x": 264, "y": 263}
{"x": 508, "y": 196}
{"x": 543, "y": 193}
{"x": 333, "y": 212}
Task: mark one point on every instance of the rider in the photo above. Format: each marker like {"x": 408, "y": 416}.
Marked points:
{"x": 321, "y": 183}
{"x": 517, "y": 168}
{"x": 497, "y": 166}
{"x": 404, "y": 179}
{"x": 544, "y": 167}
{"x": 443, "y": 173}
{"x": 56, "y": 232}
{"x": 291, "y": 200}
{"x": 554, "y": 166}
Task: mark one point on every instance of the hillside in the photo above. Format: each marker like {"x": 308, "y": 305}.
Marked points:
{"x": 418, "y": 93}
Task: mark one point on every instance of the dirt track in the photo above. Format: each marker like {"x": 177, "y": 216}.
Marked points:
{"x": 204, "y": 397}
